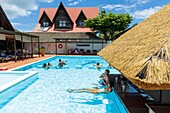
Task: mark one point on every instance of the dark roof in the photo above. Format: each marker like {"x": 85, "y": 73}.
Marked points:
{"x": 4, "y": 21}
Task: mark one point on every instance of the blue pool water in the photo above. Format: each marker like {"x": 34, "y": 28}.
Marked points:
{"x": 48, "y": 94}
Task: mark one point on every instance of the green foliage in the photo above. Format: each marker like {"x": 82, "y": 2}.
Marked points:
{"x": 109, "y": 24}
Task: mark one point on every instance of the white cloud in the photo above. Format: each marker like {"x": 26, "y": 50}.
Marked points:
{"x": 20, "y": 8}
{"x": 143, "y": 14}
{"x": 48, "y": 1}
{"x": 139, "y": 1}
{"x": 118, "y": 7}
{"x": 16, "y": 24}
{"x": 73, "y": 3}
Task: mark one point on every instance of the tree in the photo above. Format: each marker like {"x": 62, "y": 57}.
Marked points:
{"x": 109, "y": 24}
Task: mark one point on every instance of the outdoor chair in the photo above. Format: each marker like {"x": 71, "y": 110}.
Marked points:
{"x": 81, "y": 50}
{"x": 94, "y": 51}
{"x": 88, "y": 51}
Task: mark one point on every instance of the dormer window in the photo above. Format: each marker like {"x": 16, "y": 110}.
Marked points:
{"x": 81, "y": 24}
{"x": 46, "y": 24}
{"x": 62, "y": 23}
{"x": 80, "y": 19}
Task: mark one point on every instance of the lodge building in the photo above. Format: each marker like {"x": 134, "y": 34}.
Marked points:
{"x": 62, "y": 29}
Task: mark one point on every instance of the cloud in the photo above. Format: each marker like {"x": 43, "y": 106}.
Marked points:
{"x": 73, "y": 3}
{"x": 143, "y": 14}
{"x": 48, "y": 1}
{"x": 118, "y": 7}
{"x": 139, "y": 1}
{"x": 20, "y": 8}
{"x": 16, "y": 24}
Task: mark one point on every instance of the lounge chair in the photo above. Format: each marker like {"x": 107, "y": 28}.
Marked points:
{"x": 88, "y": 51}
{"x": 94, "y": 51}
{"x": 82, "y": 51}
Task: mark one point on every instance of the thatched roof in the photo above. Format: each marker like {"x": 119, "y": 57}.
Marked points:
{"x": 142, "y": 54}
{"x": 49, "y": 36}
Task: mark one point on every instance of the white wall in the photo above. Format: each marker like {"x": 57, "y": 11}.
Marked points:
{"x": 51, "y": 47}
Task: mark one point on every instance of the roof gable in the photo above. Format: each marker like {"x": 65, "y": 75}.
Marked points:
{"x": 62, "y": 8}
{"x": 44, "y": 17}
{"x": 81, "y": 15}
{"x": 89, "y": 12}
{"x": 4, "y": 22}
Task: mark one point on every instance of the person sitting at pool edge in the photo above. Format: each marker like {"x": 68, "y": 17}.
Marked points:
{"x": 98, "y": 66}
{"x": 61, "y": 63}
{"x": 105, "y": 80}
{"x": 95, "y": 90}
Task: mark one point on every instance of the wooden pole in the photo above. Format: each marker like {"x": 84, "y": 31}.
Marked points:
{"x": 31, "y": 47}
{"x": 56, "y": 46}
{"x": 160, "y": 96}
{"x": 38, "y": 46}
{"x": 22, "y": 47}
{"x": 15, "y": 49}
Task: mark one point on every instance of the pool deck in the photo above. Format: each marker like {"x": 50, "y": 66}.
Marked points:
{"x": 13, "y": 64}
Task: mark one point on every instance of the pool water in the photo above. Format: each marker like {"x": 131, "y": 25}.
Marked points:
{"x": 84, "y": 61}
{"x": 49, "y": 93}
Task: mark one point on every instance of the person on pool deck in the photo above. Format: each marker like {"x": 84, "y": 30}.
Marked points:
{"x": 61, "y": 63}
{"x": 91, "y": 90}
{"x": 98, "y": 66}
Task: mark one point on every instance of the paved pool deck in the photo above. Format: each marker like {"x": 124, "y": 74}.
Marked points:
{"x": 13, "y": 64}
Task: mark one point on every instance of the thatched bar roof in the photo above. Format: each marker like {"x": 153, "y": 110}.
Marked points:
{"x": 142, "y": 54}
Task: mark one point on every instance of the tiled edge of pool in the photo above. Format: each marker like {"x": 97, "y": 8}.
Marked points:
{"x": 13, "y": 88}
{"x": 114, "y": 99}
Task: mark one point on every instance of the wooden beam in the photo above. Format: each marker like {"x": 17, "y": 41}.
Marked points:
{"x": 31, "y": 48}
{"x": 39, "y": 46}
{"x": 22, "y": 47}
{"x": 15, "y": 49}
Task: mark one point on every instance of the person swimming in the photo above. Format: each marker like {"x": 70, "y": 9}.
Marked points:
{"x": 98, "y": 66}
{"x": 44, "y": 65}
{"x": 95, "y": 90}
{"x": 107, "y": 84}
{"x": 49, "y": 64}
{"x": 61, "y": 63}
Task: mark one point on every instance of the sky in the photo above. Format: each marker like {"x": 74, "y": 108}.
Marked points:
{"x": 23, "y": 14}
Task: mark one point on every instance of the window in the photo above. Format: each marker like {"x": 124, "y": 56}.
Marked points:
{"x": 81, "y": 23}
{"x": 62, "y": 23}
{"x": 45, "y": 24}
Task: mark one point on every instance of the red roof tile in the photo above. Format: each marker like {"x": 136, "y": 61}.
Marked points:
{"x": 90, "y": 12}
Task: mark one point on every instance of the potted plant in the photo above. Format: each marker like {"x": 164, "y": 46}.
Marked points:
{"x": 42, "y": 51}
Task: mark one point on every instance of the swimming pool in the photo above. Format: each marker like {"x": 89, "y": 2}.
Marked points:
{"x": 48, "y": 94}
